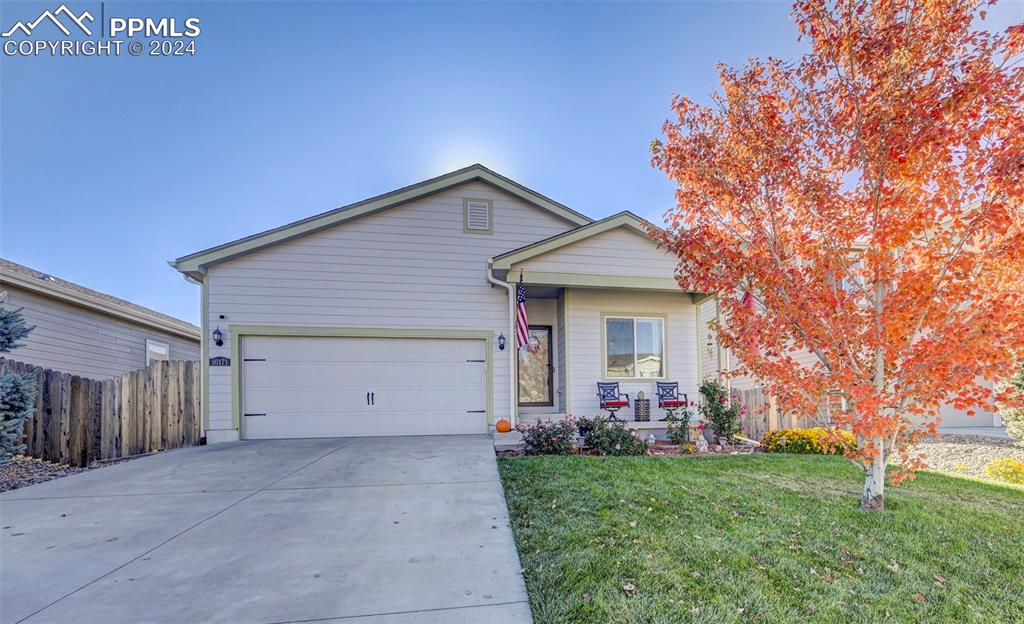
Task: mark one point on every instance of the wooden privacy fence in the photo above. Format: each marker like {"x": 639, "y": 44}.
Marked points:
{"x": 762, "y": 416}
{"x": 77, "y": 421}
{"x": 758, "y": 419}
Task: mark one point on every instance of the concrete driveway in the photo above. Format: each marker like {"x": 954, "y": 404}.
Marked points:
{"x": 358, "y": 530}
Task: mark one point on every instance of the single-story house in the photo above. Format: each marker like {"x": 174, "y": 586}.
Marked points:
{"x": 88, "y": 333}
{"x": 397, "y": 315}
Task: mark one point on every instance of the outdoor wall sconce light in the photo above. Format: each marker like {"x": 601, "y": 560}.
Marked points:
{"x": 218, "y": 337}
{"x": 501, "y": 342}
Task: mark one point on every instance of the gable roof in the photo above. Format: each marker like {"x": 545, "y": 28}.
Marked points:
{"x": 193, "y": 263}
{"x": 38, "y": 282}
{"x": 623, "y": 219}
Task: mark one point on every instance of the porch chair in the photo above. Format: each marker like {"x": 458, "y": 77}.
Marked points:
{"x": 611, "y": 399}
{"x": 668, "y": 399}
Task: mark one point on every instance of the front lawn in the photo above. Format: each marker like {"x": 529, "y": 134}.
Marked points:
{"x": 760, "y": 538}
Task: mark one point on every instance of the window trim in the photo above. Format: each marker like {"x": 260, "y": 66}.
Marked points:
{"x": 156, "y": 343}
{"x": 466, "y": 201}
{"x": 634, "y": 316}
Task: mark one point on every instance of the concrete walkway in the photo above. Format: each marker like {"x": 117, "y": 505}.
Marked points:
{"x": 359, "y": 530}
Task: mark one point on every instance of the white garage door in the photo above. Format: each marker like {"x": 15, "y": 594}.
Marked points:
{"x": 313, "y": 387}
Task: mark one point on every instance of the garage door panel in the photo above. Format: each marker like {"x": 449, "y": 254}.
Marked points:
{"x": 451, "y": 397}
{"x": 362, "y": 374}
{"x": 311, "y": 399}
{"x": 322, "y": 400}
{"x": 307, "y": 425}
{"x": 317, "y": 387}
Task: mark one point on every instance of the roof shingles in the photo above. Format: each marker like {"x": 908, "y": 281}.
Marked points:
{"x": 59, "y": 285}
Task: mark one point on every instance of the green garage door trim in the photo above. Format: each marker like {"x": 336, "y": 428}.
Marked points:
{"x": 239, "y": 331}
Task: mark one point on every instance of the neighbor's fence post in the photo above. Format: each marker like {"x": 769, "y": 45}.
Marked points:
{"x": 77, "y": 421}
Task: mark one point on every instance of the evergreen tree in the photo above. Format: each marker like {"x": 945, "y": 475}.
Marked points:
{"x": 12, "y": 329}
{"x": 17, "y": 392}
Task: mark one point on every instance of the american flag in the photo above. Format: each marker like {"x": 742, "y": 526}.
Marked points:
{"x": 522, "y": 326}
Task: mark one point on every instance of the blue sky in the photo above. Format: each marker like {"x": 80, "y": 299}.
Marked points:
{"x": 109, "y": 167}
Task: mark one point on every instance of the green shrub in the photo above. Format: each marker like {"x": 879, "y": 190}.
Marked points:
{"x": 548, "y": 437}
{"x": 1009, "y": 470}
{"x": 585, "y": 424}
{"x": 1013, "y": 417}
{"x": 816, "y": 441}
{"x": 678, "y": 431}
{"x": 612, "y": 439}
{"x": 17, "y": 392}
{"x": 721, "y": 413}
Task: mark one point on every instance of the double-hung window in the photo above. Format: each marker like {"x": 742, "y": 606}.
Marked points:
{"x": 634, "y": 347}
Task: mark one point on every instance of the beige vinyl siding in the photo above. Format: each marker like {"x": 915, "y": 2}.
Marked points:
{"x": 411, "y": 266}
{"x": 620, "y": 252}
{"x": 84, "y": 342}
{"x": 561, "y": 394}
{"x": 952, "y": 417}
{"x": 586, "y": 368}
{"x": 709, "y": 365}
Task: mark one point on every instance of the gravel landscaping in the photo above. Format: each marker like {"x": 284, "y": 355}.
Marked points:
{"x": 965, "y": 454}
{"x": 22, "y": 471}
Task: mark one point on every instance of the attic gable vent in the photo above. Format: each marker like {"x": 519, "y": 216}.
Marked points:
{"x": 477, "y": 216}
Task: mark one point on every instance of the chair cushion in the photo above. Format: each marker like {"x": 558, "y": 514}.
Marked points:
{"x": 673, "y": 403}
{"x": 614, "y": 403}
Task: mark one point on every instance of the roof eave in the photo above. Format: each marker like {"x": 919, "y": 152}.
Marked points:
{"x": 92, "y": 303}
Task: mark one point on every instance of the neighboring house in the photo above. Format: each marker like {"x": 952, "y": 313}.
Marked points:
{"x": 87, "y": 333}
{"x": 715, "y": 359}
{"x": 388, "y": 316}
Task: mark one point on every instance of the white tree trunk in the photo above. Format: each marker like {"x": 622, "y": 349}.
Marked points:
{"x": 874, "y": 481}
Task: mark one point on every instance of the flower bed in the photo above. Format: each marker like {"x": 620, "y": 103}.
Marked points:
{"x": 814, "y": 441}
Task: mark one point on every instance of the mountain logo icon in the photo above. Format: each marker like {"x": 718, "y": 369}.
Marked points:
{"x": 54, "y": 17}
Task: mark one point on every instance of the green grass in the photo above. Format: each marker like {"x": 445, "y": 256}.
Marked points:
{"x": 760, "y": 538}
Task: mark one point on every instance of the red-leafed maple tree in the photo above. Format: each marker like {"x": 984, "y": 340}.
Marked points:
{"x": 868, "y": 199}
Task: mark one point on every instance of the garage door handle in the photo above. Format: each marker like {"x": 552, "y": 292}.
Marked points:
{"x": 373, "y": 398}
{"x": 367, "y": 398}
{"x": 476, "y": 411}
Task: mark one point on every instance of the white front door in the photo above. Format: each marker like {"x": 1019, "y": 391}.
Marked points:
{"x": 313, "y": 387}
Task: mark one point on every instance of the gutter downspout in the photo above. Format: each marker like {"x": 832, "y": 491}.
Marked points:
{"x": 512, "y": 416}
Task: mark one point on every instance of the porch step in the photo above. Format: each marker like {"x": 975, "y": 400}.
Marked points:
{"x": 511, "y": 441}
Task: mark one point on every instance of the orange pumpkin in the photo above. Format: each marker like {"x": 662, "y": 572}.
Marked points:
{"x": 503, "y": 426}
